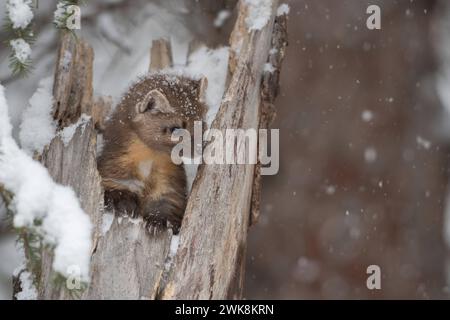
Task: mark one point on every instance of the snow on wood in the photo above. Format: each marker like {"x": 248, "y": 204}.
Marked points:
{"x": 72, "y": 88}
{"x": 209, "y": 263}
{"x": 38, "y": 127}
{"x": 73, "y": 162}
{"x": 28, "y": 290}
{"x": 283, "y": 9}
{"x": 52, "y": 210}
{"x": 206, "y": 259}
{"x": 67, "y": 133}
{"x": 259, "y": 13}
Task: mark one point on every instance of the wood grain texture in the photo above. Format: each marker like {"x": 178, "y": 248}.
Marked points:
{"x": 128, "y": 261}
{"x": 73, "y": 163}
{"x": 72, "y": 88}
{"x": 160, "y": 55}
{"x": 209, "y": 261}
{"x": 269, "y": 92}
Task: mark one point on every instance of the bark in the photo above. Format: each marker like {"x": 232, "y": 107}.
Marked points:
{"x": 209, "y": 263}
{"x": 73, "y": 164}
{"x": 129, "y": 262}
{"x": 160, "y": 55}
{"x": 269, "y": 92}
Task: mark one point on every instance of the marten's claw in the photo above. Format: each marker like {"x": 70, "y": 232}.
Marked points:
{"x": 122, "y": 202}
{"x": 162, "y": 214}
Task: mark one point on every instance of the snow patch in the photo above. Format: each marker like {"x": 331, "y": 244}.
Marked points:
{"x": 191, "y": 172}
{"x": 59, "y": 14}
{"x": 38, "y": 127}
{"x": 29, "y": 291}
{"x": 20, "y": 13}
{"x": 37, "y": 198}
{"x": 174, "y": 243}
{"x": 100, "y": 144}
{"x": 259, "y": 12}
{"x": 67, "y": 133}
{"x": 107, "y": 221}
{"x": 268, "y": 67}
{"x": 5, "y": 125}
{"x": 283, "y": 9}
{"x": 22, "y": 49}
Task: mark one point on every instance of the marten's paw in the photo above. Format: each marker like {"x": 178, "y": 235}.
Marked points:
{"x": 162, "y": 214}
{"x": 122, "y": 202}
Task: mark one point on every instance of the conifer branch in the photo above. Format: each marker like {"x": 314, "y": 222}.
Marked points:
{"x": 22, "y": 36}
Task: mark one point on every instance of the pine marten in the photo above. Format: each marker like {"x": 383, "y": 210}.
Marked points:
{"x": 137, "y": 172}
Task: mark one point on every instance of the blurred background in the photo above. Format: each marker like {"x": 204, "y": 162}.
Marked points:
{"x": 364, "y": 156}
{"x": 363, "y": 118}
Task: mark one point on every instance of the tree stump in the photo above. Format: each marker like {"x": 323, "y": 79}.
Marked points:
{"x": 128, "y": 262}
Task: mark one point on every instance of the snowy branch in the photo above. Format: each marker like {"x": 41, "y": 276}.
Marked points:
{"x": 18, "y": 22}
{"x": 41, "y": 205}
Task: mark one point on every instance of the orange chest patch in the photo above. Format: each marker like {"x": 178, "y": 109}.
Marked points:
{"x": 152, "y": 167}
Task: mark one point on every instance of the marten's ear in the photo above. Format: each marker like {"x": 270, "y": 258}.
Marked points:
{"x": 154, "y": 102}
{"x": 203, "y": 85}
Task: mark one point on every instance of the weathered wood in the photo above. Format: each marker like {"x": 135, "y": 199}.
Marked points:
{"x": 208, "y": 263}
{"x": 128, "y": 262}
{"x": 269, "y": 92}
{"x": 160, "y": 55}
{"x": 73, "y": 162}
{"x": 72, "y": 88}
{"x": 73, "y": 165}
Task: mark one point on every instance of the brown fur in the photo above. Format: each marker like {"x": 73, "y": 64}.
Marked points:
{"x": 138, "y": 174}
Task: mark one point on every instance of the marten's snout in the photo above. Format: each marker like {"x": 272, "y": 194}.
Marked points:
{"x": 171, "y": 129}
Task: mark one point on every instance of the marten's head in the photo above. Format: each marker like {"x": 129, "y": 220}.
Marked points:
{"x": 158, "y": 105}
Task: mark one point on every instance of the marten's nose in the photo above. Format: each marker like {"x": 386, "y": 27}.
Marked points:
{"x": 172, "y": 129}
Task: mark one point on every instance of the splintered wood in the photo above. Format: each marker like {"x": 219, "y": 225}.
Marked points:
{"x": 210, "y": 260}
